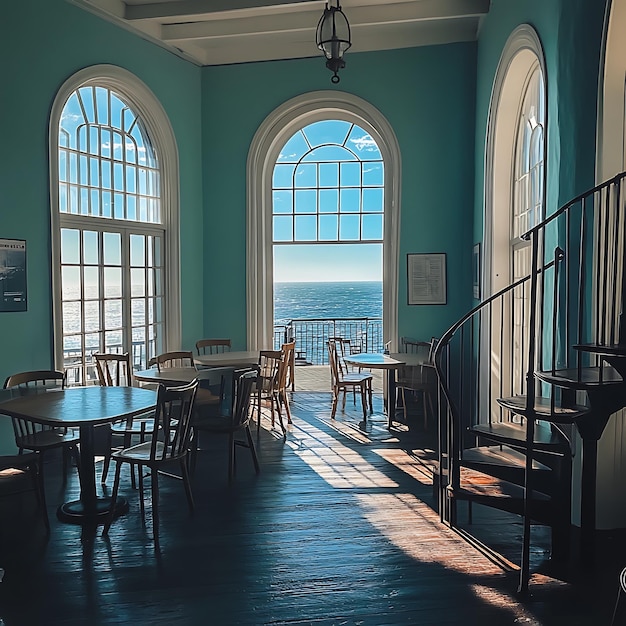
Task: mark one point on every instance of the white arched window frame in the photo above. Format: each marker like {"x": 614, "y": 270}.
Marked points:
{"x": 271, "y": 136}
{"x": 521, "y": 57}
{"x": 146, "y": 107}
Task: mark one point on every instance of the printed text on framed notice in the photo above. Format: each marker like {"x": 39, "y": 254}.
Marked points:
{"x": 426, "y": 278}
{"x": 12, "y": 275}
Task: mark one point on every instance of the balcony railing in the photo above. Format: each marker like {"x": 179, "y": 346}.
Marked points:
{"x": 365, "y": 335}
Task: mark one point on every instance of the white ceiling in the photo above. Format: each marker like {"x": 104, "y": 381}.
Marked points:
{"x": 217, "y": 32}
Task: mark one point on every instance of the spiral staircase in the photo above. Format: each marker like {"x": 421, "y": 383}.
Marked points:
{"x": 531, "y": 366}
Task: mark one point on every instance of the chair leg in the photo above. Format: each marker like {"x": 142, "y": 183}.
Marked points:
{"x": 105, "y": 468}
{"x": 38, "y": 480}
{"x": 284, "y": 396}
{"x": 333, "y": 409}
{"x": 364, "y": 400}
{"x": 255, "y": 459}
{"x": 258, "y": 419}
{"x": 276, "y": 400}
{"x": 402, "y": 393}
{"x": 185, "y": 474}
{"x": 116, "y": 486}
{"x": 231, "y": 456}
{"x": 142, "y": 505}
{"x": 154, "y": 479}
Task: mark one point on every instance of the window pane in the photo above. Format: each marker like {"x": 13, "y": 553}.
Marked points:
{"x": 112, "y": 282}
{"x": 373, "y": 200}
{"x": 329, "y": 227}
{"x": 306, "y": 201}
{"x": 350, "y": 174}
{"x": 70, "y": 249}
{"x": 137, "y": 250}
{"x": 283, "y": 228}
{"x": 350, "y": 200}
{"x": 91, "y": 282}
{"x": 329, "y": 200}
{"x": 137, "y": 282}
{"x": 349, "y": 228}
{"x": 139, "y": 311}
{"x": 283, "y": 202}
{"x": 112, "y": 248}
{"x": 92, "y": 316}
{"x": 306, "y": 228}
{"x": 72, "y": 313}
{"x": 373, "y": 174}
{"x": 306, "y": 175}
{"x": 329, "y": 174}
{"x": 112, "y": 314}
{"x": 70, "y": 279}
{"x": 372, "y": 227}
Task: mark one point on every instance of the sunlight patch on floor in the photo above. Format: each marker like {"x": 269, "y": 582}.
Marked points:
{"x": 407, "y": 463}
{"x": 414, "y": 527}
{"x": 340, "y": 466}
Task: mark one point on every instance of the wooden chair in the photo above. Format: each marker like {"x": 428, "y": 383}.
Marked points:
{"x": 37, "y": 437}
{"x": 179, "y": 358}
{"x": 342, "y": 381}
{"x": 15, "y": 467}
{"x": 171, "y": 446}
{"x": 212, "y": 346}
{"x": 272, "y": 367}
{"x": 114, "y": 370}
{"x": 235, "y": 389}
{"x": 418, "y": 378}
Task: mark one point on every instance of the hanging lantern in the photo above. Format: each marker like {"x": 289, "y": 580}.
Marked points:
{"x": 333, "y": 38}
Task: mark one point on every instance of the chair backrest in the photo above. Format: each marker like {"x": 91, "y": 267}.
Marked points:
{"x": 172, "y": 421}
{"x": 113, "y": 369}
{"x": 220, "y": 381}
{"x": 37, "y": 381}
{"x": 413, "y": 346}
{"x": 269, "y": 365}
{"x": 244, "y": 386}
{"x": 180, "y": 358}
{"x": 285, "y": 371}
{"x": 212, "y": 346}
{"x": 333, "y": 359}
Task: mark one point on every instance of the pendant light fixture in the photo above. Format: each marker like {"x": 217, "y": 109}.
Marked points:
{"x": 333, "y": 38}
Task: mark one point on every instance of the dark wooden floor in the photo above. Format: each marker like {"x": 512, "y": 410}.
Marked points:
{"x": 339, "y": 528}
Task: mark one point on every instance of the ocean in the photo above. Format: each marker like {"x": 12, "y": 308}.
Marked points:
{"x": 327, "y": 300}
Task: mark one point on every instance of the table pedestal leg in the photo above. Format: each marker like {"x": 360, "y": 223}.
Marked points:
{"x": 391, "y": 396}
{"x": 90, "y": 509}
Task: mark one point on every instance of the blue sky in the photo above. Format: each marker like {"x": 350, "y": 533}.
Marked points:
{"x": 328, "y": 262}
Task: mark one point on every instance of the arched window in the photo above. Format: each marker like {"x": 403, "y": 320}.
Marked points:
{"x": 361, "y": 197}
{"x": 514, "y": 195}
{"x": 111, "y": 239}
{"x": 328, "y": 186}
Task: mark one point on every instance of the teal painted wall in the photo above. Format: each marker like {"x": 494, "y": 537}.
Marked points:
{"x": 56, "y": 40}
{"x": 427, "y": 95}
{"x": 571, "y": 35}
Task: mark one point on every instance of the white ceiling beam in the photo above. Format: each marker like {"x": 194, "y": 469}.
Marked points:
{"x": 362, "y": 16}
{"x": 229, "y": 51}
{"x": 201, "y": 9}
{"x": 177, "y": 12}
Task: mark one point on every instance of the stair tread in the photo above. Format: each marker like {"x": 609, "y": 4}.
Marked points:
{"x": 514, "y": 433}
{"x": 544, "y": 409}
{"x": 583, "y": 378}
{"x": 476, "y": 484}
{"x": 500, "y": 456}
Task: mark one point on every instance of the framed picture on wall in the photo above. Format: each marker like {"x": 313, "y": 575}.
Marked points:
{"x": 426, "y": 278}
{"x": 12, "y": 275}
{"x": 476, "y": 272}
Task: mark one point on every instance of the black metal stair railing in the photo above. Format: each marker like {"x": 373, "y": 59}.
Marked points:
{"x": 558, "y": 320}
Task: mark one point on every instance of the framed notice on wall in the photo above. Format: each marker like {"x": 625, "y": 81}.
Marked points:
{"x": 426, "y": 278}
{"x": 12, "y": 275}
